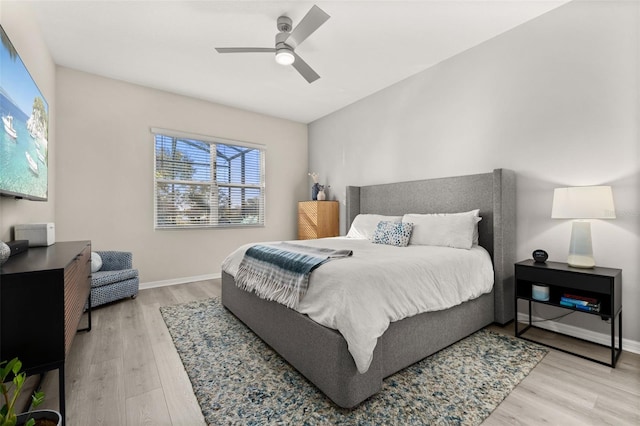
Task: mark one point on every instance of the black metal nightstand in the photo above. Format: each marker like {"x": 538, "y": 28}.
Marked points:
{"x": 603, "y": 285}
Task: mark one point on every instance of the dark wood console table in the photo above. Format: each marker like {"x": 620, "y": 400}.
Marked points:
{"x": 42, "y": 296}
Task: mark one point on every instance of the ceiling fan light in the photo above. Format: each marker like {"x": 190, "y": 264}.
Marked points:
{"x": 285, "y": 57}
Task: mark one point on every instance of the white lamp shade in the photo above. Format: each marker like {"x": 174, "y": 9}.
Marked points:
{"x": 583, "y": 202}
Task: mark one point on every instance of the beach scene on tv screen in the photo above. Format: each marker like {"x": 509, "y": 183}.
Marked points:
{"x": 24, "y": 129}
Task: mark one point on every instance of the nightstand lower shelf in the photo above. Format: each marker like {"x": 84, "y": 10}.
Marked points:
{"x": 615, "y": 351}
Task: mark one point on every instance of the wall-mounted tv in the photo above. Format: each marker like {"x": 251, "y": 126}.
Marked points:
{"x": 24, "y": 129}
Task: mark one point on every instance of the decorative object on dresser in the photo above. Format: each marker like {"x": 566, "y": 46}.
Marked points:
{"x": 5, "y": 252}
{"x": 113, "y": 277}
{"x": 318, "y": 219}
{"x": 54, "y": 283}
{"x": 315, "y": 188}
{"x": 596, "y": 291}
{"x": 18, "y": 246}
{"x": 38, "y": 234}
{"x": 582, "y": 202}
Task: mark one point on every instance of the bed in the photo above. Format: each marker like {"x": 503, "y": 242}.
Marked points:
{"x": 321, "y": 354}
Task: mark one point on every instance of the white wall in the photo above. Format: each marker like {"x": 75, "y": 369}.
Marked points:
{"x": 20, "y": 25}
{"x": 555, "y": 99}
{"x": 105, "y": 173}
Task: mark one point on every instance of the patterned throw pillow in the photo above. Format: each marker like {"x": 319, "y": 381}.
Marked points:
{"x": 393, "y": 233}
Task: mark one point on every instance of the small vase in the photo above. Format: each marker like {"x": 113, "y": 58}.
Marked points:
{"x": 314, "y": 191}
{"x": 5, "y": 252}
{"x": 321, "y": 195}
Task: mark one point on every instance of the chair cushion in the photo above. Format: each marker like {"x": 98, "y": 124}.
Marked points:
{"x": 101, "y": 278}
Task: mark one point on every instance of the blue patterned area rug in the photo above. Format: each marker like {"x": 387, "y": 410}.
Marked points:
{"x": 238, "y": 379}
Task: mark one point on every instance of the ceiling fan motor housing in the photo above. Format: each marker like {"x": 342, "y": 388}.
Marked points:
{"x": 281, "y": 41}
{"x": 284, "y": 24}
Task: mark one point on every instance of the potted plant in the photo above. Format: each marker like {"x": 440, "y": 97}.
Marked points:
{"x": 10, "y": 395}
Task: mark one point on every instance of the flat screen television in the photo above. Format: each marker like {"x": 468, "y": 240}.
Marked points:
{"x": 24, "y": 129}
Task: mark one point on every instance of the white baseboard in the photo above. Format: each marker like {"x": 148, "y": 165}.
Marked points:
{"x": 174, "y": 281}
{"x": 581, "y": 333}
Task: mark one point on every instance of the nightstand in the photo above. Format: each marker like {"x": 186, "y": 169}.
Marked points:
{"x": 595, "y": 291}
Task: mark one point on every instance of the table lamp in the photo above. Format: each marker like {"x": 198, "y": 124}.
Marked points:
{"x": 582, "y": 202}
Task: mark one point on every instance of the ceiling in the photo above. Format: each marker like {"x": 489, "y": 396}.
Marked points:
{"x": 364, "y": 47}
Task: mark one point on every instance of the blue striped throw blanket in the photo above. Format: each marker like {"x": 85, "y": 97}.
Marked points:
{"x": 280, "y": 271}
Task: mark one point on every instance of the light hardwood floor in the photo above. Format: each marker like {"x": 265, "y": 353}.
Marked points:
{"x": 126, "y": 371}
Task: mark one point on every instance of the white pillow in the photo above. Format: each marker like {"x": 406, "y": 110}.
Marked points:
{"x": 476, "y": 213}
{"x": 365, "y": 225}
{"x": 96, "y": 262}
{"x": 444, "y": 229}
{"x": 476, "y": 235}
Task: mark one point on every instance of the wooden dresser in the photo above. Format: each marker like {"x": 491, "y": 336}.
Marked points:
{"x": 42, "y": 296}
{"x": 318, "y": 219}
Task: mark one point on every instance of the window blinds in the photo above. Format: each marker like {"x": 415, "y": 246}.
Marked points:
{"x": 206, "y": 182}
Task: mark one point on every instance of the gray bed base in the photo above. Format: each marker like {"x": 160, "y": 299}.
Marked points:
{"x": 321, "y": 354}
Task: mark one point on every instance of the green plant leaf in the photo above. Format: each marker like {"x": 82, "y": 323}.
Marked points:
{"x": 10, "y": 420}
{"x": 10, "y": 367}
{"x": 4, "y": 371}
{"x": 15, "y": 365}
{"x": 37, "y": 398}
{"x": 18, "y": 380}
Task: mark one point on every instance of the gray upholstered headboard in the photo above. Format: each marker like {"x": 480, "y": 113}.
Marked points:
{"x": 493, "y": 193}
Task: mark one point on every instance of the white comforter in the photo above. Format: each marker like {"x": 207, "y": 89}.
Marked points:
{"x": 359, "y": 296}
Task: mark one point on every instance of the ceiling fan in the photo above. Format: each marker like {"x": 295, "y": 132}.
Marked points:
{"x": 287, "y": 40}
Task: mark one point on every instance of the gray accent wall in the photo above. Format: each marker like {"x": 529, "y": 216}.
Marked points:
{"x": 555, "y": 99}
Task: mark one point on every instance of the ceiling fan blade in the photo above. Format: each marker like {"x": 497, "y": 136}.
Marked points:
{"x": 304, "y": 69}
{"x": 245, "y": 49}
{"x": 311, "y": 22}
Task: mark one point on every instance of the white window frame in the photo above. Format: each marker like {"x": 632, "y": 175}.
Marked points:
{"x": 214, "y": 184}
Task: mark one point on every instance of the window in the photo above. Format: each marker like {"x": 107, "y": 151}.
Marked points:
{"x": 207, "y": 182}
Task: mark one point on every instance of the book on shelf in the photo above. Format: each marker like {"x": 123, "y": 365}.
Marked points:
{"x": 580, "y": 304}
{"x": 586, "y": 299}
